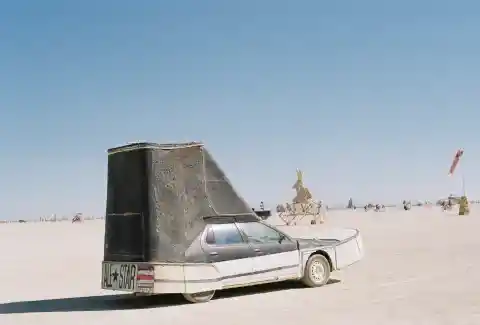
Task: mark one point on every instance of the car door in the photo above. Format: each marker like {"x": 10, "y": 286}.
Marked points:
{"x": 229, "y": 251}
{"x": 277, "y": 255}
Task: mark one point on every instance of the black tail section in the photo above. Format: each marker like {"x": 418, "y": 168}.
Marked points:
{"x": 127, "y": 206}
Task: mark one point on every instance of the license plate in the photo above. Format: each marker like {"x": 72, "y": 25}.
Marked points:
{"x": 117, "y": 276}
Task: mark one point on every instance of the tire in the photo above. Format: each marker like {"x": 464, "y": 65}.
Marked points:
{"x": 199, "y": 297}
{"x": 317, "y": 271}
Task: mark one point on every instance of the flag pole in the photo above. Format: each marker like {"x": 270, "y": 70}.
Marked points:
{"x": 462, "y": 169}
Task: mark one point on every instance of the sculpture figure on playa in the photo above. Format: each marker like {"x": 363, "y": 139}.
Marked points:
{"x": 303, "y": 193}
{"x": 350, "y": 204}
{"x": 302, "y": 205}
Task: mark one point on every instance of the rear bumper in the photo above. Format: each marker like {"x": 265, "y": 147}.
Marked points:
{"x": 170, "y": 278}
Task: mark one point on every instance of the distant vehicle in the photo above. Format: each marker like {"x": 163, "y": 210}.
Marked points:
{"x": 195, "y": 240}
{"x": 77, "y": 218}
{"x": 446, "y": 205}
{"x": 22, "y": 221}
{"x": 368, "y": 207}
{"x": 375, "y": 207}
{"x": 451, "y": 200}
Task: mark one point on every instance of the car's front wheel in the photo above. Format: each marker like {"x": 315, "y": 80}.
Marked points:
{"x": 199, "y": 296}
{"x": 317, "y": 271}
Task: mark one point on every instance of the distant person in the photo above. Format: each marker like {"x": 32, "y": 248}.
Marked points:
{"x": 321, "y": 211}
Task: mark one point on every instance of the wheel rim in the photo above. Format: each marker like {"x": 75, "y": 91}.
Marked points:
{"x": 317, "y": 271}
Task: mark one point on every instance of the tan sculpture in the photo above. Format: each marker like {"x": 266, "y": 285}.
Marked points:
{"x": 303, "y": 193}
{"x": 302, "y": 205}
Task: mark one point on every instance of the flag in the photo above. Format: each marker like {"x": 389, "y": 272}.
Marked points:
{"x": 455, "y": 161}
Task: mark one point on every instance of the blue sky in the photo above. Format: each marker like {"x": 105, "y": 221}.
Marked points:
{"x": 385, "y": 92}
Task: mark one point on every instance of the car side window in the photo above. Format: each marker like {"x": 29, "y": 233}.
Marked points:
{"x": 223, "y": 234}
{"x": 258, "y": 233}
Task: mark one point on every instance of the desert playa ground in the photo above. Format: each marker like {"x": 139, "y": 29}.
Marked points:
{"x": 421, "y": 267}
